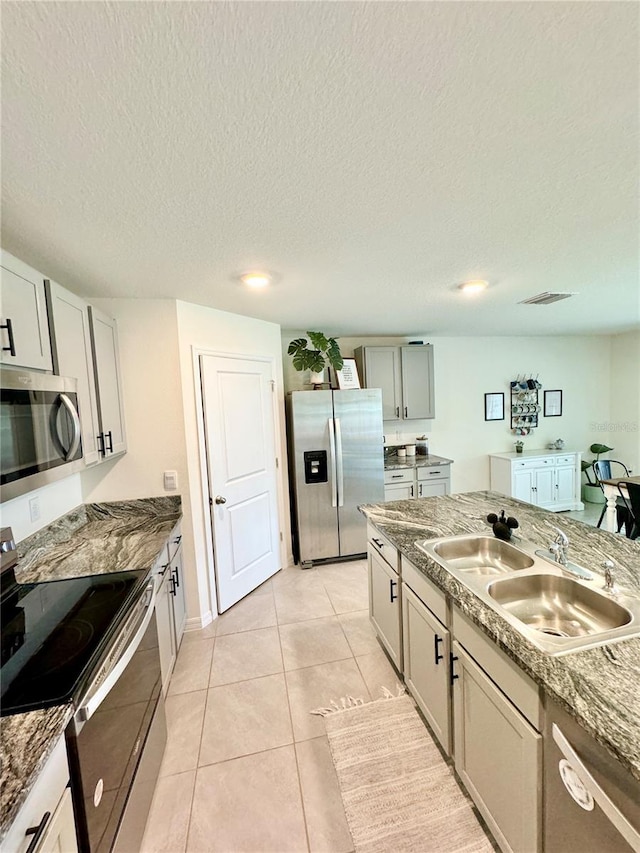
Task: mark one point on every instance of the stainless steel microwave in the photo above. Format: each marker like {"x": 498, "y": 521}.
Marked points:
{"x": 39, "y": 431}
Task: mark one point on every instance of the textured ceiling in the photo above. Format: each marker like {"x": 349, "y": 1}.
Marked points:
{"x": 373, "y": 155}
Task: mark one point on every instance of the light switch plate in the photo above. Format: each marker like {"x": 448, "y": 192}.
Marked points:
{"x": 170, "y": 481}
{"x": 34, "y": 509}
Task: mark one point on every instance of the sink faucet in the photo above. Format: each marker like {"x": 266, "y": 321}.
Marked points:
{"x": 560, "y": 547}
{"x": 609, "y": 578}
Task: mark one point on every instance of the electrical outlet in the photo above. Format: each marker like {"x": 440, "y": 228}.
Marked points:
{"x": 170, "y": 481}
{"x": 34, "y": 509}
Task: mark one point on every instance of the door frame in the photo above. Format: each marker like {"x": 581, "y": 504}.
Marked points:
{"x": 204, "y": 474}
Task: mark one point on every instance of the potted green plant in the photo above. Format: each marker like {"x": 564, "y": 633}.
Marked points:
{"x": 591, "y": 491}
{"x": 519, "y": 446}
{"x": 315, "y": 356}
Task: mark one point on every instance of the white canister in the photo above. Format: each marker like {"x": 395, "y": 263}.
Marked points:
{"x": 411, "y": 449}
{"x": 401, "y": 452}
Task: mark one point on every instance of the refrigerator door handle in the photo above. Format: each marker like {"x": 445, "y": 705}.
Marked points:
{"x": 339, "y": 461}
{"x": 332, "y": 450}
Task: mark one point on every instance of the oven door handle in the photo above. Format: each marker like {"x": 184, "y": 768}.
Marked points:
{"x": 612, "y": 812}
{"x": 90, "y": 706}
{"x": 75, "y": 420}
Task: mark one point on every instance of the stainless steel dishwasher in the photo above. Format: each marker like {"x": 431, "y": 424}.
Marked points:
{"x": 591, "y": 802}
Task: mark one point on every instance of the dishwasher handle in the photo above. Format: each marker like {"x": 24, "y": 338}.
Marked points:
{"x": 609, "y": 808}
{"x": 111, "y": 671}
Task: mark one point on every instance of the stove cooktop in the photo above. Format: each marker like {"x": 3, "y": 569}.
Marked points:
{"x": 54, "y": 632}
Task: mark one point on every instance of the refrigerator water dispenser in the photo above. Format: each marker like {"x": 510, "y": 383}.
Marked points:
{"x": 315, "y": 466}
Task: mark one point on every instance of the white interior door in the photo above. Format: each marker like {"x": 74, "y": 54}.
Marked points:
{"x": 237, "y": 396}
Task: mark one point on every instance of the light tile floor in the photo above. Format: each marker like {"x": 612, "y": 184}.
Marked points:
{"x": 247, "y": 767}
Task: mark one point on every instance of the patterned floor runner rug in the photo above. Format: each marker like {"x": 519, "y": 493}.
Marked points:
{"x": 399, "y": 794}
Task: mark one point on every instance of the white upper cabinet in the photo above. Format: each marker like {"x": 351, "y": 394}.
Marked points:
{"x": 405, "y": 375}
{"x": 104, "y": 340}
{"x": 72, "y": 356}
{"x": 24, "y": 330}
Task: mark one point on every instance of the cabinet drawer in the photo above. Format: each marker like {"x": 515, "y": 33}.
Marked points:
{"x": 436, "y": 472}
{"x": 398, "y": 475}
{"x": 379, "y": 543}
{"x": 538, "y": 462}
{"x": 521, "y": 690}
{"x": 426, "y": 591}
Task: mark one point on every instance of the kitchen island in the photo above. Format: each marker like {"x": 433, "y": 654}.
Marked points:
{"x": 600, "y": 687}
{"x": 92, "y": 539}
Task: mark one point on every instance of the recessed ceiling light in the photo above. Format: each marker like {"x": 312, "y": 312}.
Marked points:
{"x": 256, "y": 279}
{"x": 475, "y": 286}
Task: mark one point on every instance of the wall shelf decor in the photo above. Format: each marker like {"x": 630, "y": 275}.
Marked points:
{"x": 525, "y": 406}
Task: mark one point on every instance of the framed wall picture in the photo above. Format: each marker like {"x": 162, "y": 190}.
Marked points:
{"x": 348, "y": 376}
{"x": 494, "y": 407}
{"x": 552, "y": 404}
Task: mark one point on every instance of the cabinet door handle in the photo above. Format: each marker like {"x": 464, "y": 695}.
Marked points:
{"x": 177, "y": 540}
{"x": 392, "y": 597}
{"x": 377, "y": 542}
{"x": 37, "y": 831}
{"x": 452, "y": 659}
{"x": 12, "y": 344}
{"x": 110, "y": 447}
{"x": 406, "y": 412}
{"x": 436, "y": 649}
{"x": 397, "y": 411}
{"x": 176, "y": 578}
{"x": 412, "y": 495}
{"x": 100, "y": 440}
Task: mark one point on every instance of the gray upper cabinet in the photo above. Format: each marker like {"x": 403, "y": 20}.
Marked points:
{"x": 72, "y": 356}
{"x": 405, "y": 375}
{"x": 104, "y": 340}
{"x": 24, "y": 330}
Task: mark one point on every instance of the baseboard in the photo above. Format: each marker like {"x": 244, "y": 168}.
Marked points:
{"x": 197, "y": 623}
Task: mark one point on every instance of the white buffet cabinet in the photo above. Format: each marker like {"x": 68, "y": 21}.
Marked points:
{"x": 549, "y": 479}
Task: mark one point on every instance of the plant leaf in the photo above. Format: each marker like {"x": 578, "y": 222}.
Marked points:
{"x": 599, "y": 448}
{"x": 333, "y": 354}
{"x": 318, "y": 340}
{"x": 297, "y": 345}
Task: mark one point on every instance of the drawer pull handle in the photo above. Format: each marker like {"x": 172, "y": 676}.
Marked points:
{"x": 392, "y": 597}
{"x": 431, "y": 473}
{"x": 397, "y": 476}
{"x": 453, "y": 658}
{"x": 37, "y": 832}
{"x": 436, "y": 649}
{"x": 377, "y": 542}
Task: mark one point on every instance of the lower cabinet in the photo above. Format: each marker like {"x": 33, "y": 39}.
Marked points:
{"x": 176, "y": 588}
{"x": 166, "y": 631}
{"x": 45, "y": 823}
{"x": 384, "y": 606}
{"x": 497, "y": 755}
{"x": 423, "y": 481}
{"x": 427, "y": 647}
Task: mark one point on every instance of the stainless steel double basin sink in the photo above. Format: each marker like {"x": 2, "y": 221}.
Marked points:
{"x": 555, "y": 612}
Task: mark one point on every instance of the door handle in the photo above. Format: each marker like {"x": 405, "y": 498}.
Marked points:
{"x": 412, "y": 495}
{"x": 397, "y": 411}
{"x": 110, "y": 448}
{"x": 452, "y": 659}
{"x": 420, "y": 490}
{"x": 406, "y": 412}
{"x": 37, "y": 832}
{"x": 436, "y": 649}
{"x": 220, "y": 499}
{"x": 75, "y": 420}
{"x": 100, "y": 440}
{"x": 12, "y": 344}
{"x": 332, "y": 452}
{"x": 176, "y": 577}
{"x": 392, "y": 597}
{"x": 377, "y": 542}
{"x": 339, "y": 463}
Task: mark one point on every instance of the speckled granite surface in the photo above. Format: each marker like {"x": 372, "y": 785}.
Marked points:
{"x": 99, "y": 538}
{"x": 599, "y": 687}
{"x": 26, "y": 742}
{"x": 393, "y": 461}
{"x": 91, "y": 539}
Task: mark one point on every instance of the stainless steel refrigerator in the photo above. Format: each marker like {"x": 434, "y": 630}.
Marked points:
{"x": 336, "y": 463}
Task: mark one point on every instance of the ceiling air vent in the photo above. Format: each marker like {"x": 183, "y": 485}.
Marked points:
{"x": 546, "y": 298}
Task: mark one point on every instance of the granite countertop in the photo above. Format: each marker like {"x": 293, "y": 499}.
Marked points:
{"x": 91, "y": 539}
{"x": 392, "y": 462}
{"x": 599, "y": 687}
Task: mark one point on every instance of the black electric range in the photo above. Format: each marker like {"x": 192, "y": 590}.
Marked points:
{"x": 54, "y": 632}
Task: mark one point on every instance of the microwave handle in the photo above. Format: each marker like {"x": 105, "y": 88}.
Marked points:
{"x": 75, "y": 420}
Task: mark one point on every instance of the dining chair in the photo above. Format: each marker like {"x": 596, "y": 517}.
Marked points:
{"x": 605, "y": 469}
{"x": 631, "y": 501}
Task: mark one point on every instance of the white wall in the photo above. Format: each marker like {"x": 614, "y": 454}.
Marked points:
{"x": 211, "y": 330}
{"x": 55, "y": 500}
{"x": 467, "y": 368}
{"x": 623, "y": 431}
